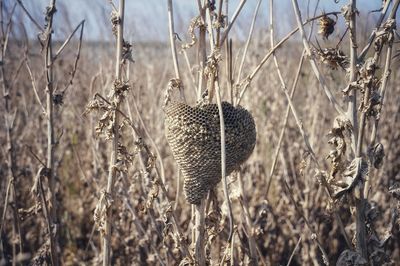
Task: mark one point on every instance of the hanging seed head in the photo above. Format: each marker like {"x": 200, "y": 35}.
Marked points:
{"x": 333, "y": 57}
{"x": 194, "y": 136}
{"x": 326, "y": 26}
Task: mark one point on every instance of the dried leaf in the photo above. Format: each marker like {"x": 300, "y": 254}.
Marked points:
{"x": 355, "y": 173}
{"x": 351, "y": 258}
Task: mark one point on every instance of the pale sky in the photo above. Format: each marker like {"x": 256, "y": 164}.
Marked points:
{"x": 147, "y": 20}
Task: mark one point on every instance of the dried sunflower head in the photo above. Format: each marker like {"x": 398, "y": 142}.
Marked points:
{"x": 333, "y": 57}
{"x": 326, "y": 26}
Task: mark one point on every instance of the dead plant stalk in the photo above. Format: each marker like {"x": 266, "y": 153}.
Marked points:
{"x": 115, "y": 140}
{"x": 51, "y": 9}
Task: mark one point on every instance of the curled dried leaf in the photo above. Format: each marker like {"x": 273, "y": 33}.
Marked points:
{"x": 355, "y": 173}
{"x": 376, "y": 155}
{"x": 100, "y": 212}
{"x": 127, "y": 52}
{"x": 195, "y": 23}
{"x": 341, "y": 127}
{"x": 351, "y": 258}
{"x": 174, "y": 85}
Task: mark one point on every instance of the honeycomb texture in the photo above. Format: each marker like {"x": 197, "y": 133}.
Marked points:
{"x": 194, "y": 136}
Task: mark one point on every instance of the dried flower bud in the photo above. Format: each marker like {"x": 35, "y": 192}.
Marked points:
{"x": 326, "y": 26}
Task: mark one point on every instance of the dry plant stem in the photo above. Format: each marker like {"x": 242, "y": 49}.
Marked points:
{"x": 69, "y": 38}
{"x": 361, "y": 243}
{"x": 11, "y": 165}
{"x": 361, "y": 202}
{"x": 301, "y": 213}
{"x": 248, "y": 222}
{"x": 214, "y": 86}
{"x": 284, "y": 89}
{"x": 382, "y": 90}
{"x": 201, "y": 51}
{"x": 146, "y": 131}
{"x": 189, "y": 67}
{"x": 228, "y": 61}
{"x": 54, "y": 259}
{"x": 221, "y": 2}
{"x": 223, "y": 159}
{"x": 34, "y": 86}
{"x": 300, "y": 125}
{"x": 373, "y": 33}
{"x": 76, "y": 58}
{"x": 200, "y": 254}
{"x": 30, "y": 16}
{"x": 294, "y": 252}
{"x": 234, "y": 17}
{"x": 115, "y": 139}
{"x": 352, "y": 101}
{"x": 50, "y": 133}
{"x": 248, "y": 39}
{"x": 312, "y": 61}
{"x": 247, "y": 80}
{"x": 173, "y": 46}
{"x": 285, "y": 122}
{"x": 293, "y": 89}
{"x": 178, "y": 190}
{"x": 159, "y": 175}
{"x": 140, "y": 227}
{"x": 3, "y": 216}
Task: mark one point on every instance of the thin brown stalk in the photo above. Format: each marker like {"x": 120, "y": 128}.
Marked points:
{"x": 11, "y": 163}
{"x": 361, "y": 244}
{"x": 234, "y": 17}
{"x": 46, "y": 213}
{"x": 173, "y": 45}
{"x": 33, "y": 81}
{"x": 30, "y": 16}
{"x": 373, "y": 33}
{"x": 314, "y": 235}
{"x": 292, "y": 91}
{"x": 285, "y": 91}
{"x": 200, "y": 232}
{"x": 361, "y": 203}
{"x": 245, "y": 83}
{"x": 247, "y": 222}
{"x": 3, "y": 216}
{"x": 294, "y": 252}
{"x": 352, "y": 101}
{"x": 285, "y": 122}
{"x": 50, "y": 129}
{"x": 386, "y": 77}
{"x": 223, "y": 159}
{"x": 299, "y": 123}
{"x": 201, "y": 51}
{"x": 146, "y": 131}
{"x": 314, "y": 65}
{"x": 115, "y": 140}
{"x": 249, "y": 37}
{"x": 69, "y": 38}
{"x": 78, "y": 53}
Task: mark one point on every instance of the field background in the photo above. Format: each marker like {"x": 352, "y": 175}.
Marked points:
{"x": 142, "y": 229}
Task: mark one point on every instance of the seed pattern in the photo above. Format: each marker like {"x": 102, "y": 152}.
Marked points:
{"x": 194, "y": 136}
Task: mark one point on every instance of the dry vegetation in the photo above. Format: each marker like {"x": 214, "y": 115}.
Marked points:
{"x": 87, "y": 176}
